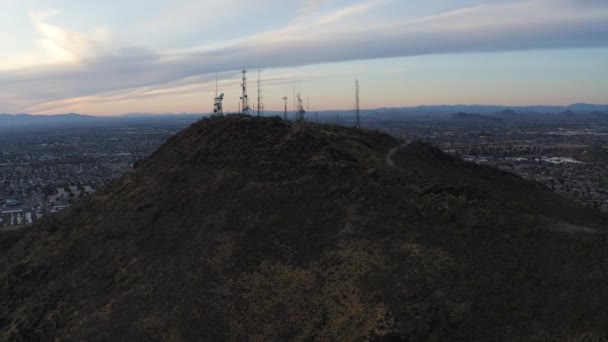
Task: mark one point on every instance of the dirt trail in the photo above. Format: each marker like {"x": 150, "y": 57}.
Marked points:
{"x": 391, "y": 154}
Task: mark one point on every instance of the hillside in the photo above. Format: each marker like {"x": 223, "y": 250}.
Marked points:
{"x": 244, "y": 228}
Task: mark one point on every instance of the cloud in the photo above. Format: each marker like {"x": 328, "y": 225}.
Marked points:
{"x": 61, "y": 45}
{"x": 96, "y": 62}
{"x": 350, "y": 11}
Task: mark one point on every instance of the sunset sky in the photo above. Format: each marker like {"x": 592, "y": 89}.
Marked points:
{"x": 112, "y": 57}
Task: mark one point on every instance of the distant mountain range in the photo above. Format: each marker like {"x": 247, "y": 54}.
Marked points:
{"x": 476, "y": 117}
{"x": 490, "y": 109}
{"x": 80, "y": 120}
{"x": 459, "y": 112}
{"x": 17, "y": 119}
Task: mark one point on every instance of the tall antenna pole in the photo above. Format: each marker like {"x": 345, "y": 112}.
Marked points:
{"x": 218, "y": 106}
{"x": 299, "y": 112}
{"x": 294, "y": 100}
{"x": 244, "y": 96}
{"x": 357, "y": 110}
{"x": 259, "y": 95}
{"x": 285, "y": 114}
{"x": 308, "y": 104}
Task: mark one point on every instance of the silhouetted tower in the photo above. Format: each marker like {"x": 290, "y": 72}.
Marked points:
{"x": 308, "y": 104}
{"x": 285, "y": 113}
{"x": 295, "y": 114}
{"x": 301, "y": 111}
{"x": 218, "y": 107}
{"x": 357, "y": 111}
{"x": 244, "y": 97}
{"x": 260, "y": 103}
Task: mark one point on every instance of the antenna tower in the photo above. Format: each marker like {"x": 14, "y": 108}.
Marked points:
{"x": 244, "y": 96}
{"x": 357, "y": 110}
{"x": 218, "y": 107}
{"x": 308, "y": 104}
{"x": 285, "y": 113}
{"x": 301, "y": 111}
{"x": 260, "y": 98}
{"x": 295, "y": 114}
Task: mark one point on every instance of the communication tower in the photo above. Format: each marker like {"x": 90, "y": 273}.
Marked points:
{"x": 295, "y": 114}
{"x": 357, "y": 111}
{"x": 244, "y": 97}
{"x": 285, "y": 113}
{"x": 218, "y": 107}
{"x": 260, "y": 98}
{"x": 300, "y": 113}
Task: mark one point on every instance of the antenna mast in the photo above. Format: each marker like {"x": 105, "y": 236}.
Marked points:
{"x": 260, "y": 104}
{"x": 285, "y": 113}
{"x": 301, "y": 111}
{"x": 357, "y": 110}
{"x": 218, "y": 106}
{"x": 244, "y": 96}
{"x": 294, "y": 101}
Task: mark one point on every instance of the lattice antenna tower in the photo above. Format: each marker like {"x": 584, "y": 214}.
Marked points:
{"x": 244, "y": 97}
{"x": 301, "y": 111}
{"x": 260, "y": 98}
{"x": 285, "y": 113}
{"x": 218, "y": 106}
{"x": 295, "y": 114}
{"x": 308, "y": 104}
{"x": 357, "y": 109}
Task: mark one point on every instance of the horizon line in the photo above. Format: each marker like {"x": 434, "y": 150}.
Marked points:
{"x": 318, "y": 111}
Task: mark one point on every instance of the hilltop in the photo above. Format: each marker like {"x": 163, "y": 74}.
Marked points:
{"x": 255, "y": 228}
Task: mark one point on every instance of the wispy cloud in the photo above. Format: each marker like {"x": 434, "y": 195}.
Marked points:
{"x": 94, "y": 63}
{"x": 64, "y": 46}
{"x": 350, "y": 11}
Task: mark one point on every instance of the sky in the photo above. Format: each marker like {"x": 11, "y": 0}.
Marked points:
{"x": 159, "y": 56}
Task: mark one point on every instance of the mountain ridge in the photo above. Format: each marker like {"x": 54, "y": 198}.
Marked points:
{"x": 446, "y": 109}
